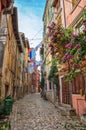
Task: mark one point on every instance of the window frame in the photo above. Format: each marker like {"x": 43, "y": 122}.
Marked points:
{"x": 74, "y": 7}
{"x": 78, "y": 25}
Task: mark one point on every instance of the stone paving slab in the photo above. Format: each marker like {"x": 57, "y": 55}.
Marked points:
{"x": 34, "y": 113}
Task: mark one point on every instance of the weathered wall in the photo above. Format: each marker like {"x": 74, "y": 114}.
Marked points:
{"x": 79, "y": 104}
{"x": 1, "y": 55}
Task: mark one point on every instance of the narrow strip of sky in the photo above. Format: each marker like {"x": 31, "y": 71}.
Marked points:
{"x": 33, "y": 5}
{"x": 30, "y": 13}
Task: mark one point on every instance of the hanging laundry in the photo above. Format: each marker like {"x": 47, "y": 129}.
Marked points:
{"x": 37, "y": 63}
{"x": 39, "y": 45}
{"x": 29, "y": 50}
{"x": 31, "y": 67}
{"x": 32, "y": 54}
{"x": 35, "y": 66}
{"x": 26, "y": 70}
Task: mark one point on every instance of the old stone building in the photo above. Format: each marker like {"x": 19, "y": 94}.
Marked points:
{"x": 25, "y": 74}
{"x": 48, "y": 17}
{"x": 14, "y": 76}
{"x": 5, "y": 7}
{"x": 69, "y": 15}
{"x": 11, "y": 51}
{"x": 37, "y": 80}
{"x": 14, "y": 71}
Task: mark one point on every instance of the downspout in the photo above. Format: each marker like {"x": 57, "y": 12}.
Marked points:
{"x": 63, "y": 5}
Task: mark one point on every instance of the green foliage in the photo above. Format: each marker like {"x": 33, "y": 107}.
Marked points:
{"x": 5, "y": 125}
{"x": 67, "y": 35}
{"x": 42, "y": 82}
{"x": 84, "y": 15}
{"x": 70, "y": 75}
{"x": 52, "y": 75}
{"x": 80, "y": 40}
{"x": 53, "y": 61}
{"x": 59, "y": 36}
{"x": 67, "y": 47}
{"x": 41, "y": 51}
{"x": 75, "y": 53}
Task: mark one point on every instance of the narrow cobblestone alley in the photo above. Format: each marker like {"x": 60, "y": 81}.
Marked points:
{"x": 34, "y": 113}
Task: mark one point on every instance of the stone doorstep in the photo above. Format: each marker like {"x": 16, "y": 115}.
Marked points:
{"x": 66, "y": 110}
{"x": 72, "y": 112}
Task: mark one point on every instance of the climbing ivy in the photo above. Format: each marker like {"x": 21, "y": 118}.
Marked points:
{"x": 53, "y": 74}
{"x": 5, "y": 126}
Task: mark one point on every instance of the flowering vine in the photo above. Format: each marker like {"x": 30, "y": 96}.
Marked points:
{"x": 58, "y": 36}
{"x": 75, "y": 52}
{"x": 67, "y": 46}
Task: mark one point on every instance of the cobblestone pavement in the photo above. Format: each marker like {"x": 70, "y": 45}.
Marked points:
{"x": 34, "y": 113}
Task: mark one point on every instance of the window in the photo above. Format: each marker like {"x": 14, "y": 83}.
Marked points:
{"x": 50, "y": 12}
{"x": 59, "y": 20}
{"x": 79, "y": 28}
{"x": 78, "y": 84}
{"x": 74, "y": 2}
{"x": 58, "y": 5}
{"x": 49, "y": 85}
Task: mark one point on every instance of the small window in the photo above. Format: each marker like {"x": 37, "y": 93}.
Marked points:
{"x": 59, "y": 20}
{"x": 49, "y": 85}
{"x": 50, "y": 12}
{"x": 74, "y": 2}
{"x": 58, "y": 5}
{"x": 79, "y": 28}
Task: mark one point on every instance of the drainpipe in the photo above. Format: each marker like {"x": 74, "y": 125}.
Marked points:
{"x": 64, "y": 13}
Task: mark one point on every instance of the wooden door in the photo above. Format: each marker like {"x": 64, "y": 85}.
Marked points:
{"x": 65, "y": 92}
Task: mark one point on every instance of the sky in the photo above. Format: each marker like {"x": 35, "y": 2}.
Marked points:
{"x": 30, "y": 13}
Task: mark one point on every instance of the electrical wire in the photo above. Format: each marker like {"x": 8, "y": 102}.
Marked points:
{"x": 36, "y": 34}
{"x": 41, "y": 28}
{"x": 18, "y": 40}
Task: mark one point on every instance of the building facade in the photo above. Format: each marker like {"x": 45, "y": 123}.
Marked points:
{"x": 69, "y": 14}
{"x": 14, "y": 79}
{"x": 48, "y": 17}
